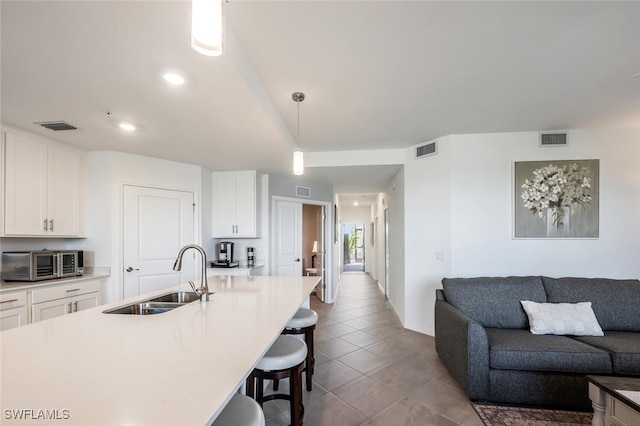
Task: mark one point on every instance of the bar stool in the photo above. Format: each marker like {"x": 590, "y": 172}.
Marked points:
{"x": 284, "y": 359}
{"x": 304, "y": 322}
{"x": 240, "y": 410}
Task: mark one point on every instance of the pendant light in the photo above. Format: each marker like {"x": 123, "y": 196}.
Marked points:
{"x": 298, "y": 156}
{"x": 207, "y": 27}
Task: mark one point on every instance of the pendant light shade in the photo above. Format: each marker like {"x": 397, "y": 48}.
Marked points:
{"x": 298, "y": 155}
{"x": 298, "y": 162}
{"x": 207, "y": 27}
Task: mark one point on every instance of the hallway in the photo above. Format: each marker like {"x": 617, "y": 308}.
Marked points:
{"x": 371, "y": 371}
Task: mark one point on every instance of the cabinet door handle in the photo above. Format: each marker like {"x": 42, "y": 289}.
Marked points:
{"x": 51, "y": 225}
{"x": 75, "y": 289}
{"x": 45, "y": 225}
{"x": 70, "y": 308}
{"x": 75, "y": 306}
{"x": 9, "y": 301}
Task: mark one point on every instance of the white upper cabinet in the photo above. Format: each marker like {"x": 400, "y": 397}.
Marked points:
{"x": 43, "y": 187}
{"x": 234, "y": 205}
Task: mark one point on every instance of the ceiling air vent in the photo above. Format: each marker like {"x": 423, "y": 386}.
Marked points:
{"x": 56, "y": 125}
{"x": 553, "y": 139}
{"x": 303, "y": 191}
{"x": 427, "y": 149}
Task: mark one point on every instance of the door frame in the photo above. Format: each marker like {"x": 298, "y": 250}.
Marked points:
{"x": 329, "y": 243}
{"x": 386, "y": 253}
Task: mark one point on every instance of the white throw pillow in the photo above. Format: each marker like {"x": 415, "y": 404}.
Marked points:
{"x": 576, "y": 319}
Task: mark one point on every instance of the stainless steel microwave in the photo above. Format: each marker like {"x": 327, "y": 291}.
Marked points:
{"x": 41, "y": 265}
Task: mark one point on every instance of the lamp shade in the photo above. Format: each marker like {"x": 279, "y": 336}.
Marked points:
{"x": 298, "y": 162}
{"x": 315, "y": 247}
{"x": 207, "y": 27}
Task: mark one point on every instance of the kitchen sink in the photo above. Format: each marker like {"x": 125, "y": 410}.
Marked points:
{"x": 156, "y": 305}
{"x": 177, "y": 297}
{"x": 143, "y": 308}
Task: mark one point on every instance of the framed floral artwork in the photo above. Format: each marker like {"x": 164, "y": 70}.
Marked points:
{"x": 556, "y": 199}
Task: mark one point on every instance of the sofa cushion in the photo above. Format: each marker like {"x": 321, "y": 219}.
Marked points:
{"x": 576, "y": 319}
{"x": 615, "y": 302}
{"x": 624, "y": 348}
{"x": 494, "y": 301}
{"x": 511, "y": 349}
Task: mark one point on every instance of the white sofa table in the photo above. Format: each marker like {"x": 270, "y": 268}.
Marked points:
{"x": 616, "y": 400}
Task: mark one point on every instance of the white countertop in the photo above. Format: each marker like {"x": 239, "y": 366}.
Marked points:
{"x": 178, "y": 367}
{"x": 28, "y": 285}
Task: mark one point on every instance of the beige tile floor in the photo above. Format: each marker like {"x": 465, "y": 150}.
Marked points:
{"x": 371, "y": 371}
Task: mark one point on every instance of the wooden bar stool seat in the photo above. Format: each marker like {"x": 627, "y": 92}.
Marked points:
{"x": 240, "y": 410}
{"x": 304, "y": 322}
{"x": 284, "y": 359}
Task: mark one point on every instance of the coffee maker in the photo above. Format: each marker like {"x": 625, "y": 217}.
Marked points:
{"x": 224, "y": 255}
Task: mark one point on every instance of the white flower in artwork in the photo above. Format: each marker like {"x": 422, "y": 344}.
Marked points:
{"x": 554, "y": 187}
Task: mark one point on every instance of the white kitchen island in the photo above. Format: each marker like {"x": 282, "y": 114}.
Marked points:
{"x": 178, "y": 367}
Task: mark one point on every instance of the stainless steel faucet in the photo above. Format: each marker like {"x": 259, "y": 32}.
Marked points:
{"x": 203, "y": 290}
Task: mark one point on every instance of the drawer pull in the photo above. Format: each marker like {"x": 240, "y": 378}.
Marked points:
{"x": 75, "y": 289}
{"x": 9, "y": 301}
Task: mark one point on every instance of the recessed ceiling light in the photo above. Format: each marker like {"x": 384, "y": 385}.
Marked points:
{"x": 127, "y": 126}
{"x": 355, "y": 203}
{"x": 173, "y": 78}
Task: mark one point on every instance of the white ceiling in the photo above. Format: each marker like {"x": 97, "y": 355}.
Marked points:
{"x": 377, "y": 75}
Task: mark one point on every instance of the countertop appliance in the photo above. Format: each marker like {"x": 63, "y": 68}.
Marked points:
{"x": 41, "y": 264}
{"x": 224, "y": 255}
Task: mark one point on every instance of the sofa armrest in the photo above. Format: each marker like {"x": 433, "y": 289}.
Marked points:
{"x": 463, "y": 347}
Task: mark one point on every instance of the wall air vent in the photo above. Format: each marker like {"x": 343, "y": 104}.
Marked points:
{"x": 427, "y": 149}
{"x": 56, "y": 125}
{"x": 303, "y": 191}
{"x": 553, "y": 139}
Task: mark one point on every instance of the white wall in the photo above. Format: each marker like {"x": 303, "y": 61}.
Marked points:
{"x": 109, "y": 171}
{"x": 460, "y": 203}
{"x": 482, "y": 207}
{"x": 428, "y": 232}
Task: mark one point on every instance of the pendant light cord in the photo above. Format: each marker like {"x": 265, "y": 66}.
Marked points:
{"x": 298, "y": 124}
{"x": 298, "y": 97}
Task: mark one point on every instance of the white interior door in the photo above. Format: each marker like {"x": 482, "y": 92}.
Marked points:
{"x": 156, "y": 224}
{"x": 288, "y": 235}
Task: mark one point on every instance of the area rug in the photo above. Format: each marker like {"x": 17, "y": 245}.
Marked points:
{"x": 499, "y": 415}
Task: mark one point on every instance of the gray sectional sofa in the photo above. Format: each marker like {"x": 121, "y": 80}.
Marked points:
{"x": 482, "y": 335}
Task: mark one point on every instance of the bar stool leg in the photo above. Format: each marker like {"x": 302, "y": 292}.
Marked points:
{"x": 295, "y": 405}
{"x": 260, "y": 390}
{"x": 251, "y": 386}
{"x": 311, "y": 360}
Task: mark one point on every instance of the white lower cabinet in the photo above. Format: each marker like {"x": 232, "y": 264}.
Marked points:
{"x": 51, "y": 302}
{"x": 13, "y": 310}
